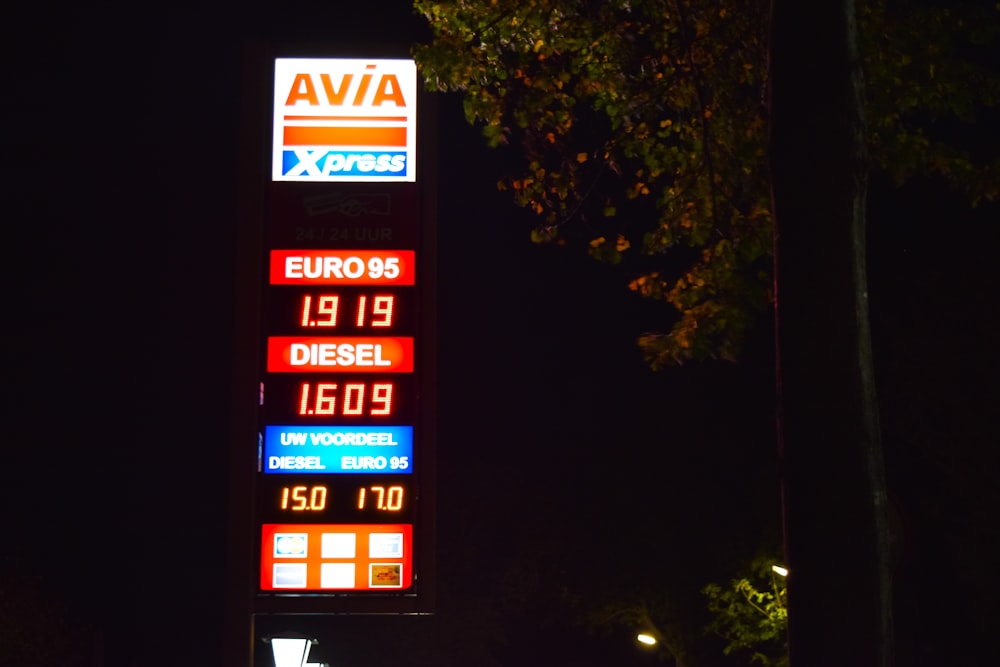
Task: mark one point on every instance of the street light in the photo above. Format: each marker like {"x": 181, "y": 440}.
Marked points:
{"x": 646, "y": 638}
{"x": 777, "y": 569}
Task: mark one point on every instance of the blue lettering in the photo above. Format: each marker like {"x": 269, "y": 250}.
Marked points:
{"x": 320, "y": 163}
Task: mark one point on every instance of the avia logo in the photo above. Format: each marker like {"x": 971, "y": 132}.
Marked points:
{"x": 385, "y": 91}
{"x": 344, "y": 120}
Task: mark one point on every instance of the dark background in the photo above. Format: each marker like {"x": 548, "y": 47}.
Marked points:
{"x": 120, "y": 211}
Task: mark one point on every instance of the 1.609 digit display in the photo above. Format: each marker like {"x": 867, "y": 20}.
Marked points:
{"x": 340, "y": 399}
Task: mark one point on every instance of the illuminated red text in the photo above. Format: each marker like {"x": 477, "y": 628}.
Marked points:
{"x": 333, "y": 267}
{"x": 356, "y": 399}
{"x": 323, "y": 310}
{"x": 378, "y": 353}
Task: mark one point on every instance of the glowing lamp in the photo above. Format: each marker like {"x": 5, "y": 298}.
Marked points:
{"x": 645, "y": 638}
{"x": 777, "y": 569}
{"x": 291, "y": 651}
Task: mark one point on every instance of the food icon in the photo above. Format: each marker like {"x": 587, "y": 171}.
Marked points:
{"x": 386, "y": 575}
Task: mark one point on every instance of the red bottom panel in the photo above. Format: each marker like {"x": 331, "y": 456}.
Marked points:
{"x": 329, "y": 557}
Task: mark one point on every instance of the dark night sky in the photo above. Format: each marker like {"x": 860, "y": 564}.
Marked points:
{"x": 120, "y": 214}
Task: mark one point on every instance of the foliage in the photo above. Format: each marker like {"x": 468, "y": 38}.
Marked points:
{"x": 751, "y": 614}
{"x": 655, "y": 615}
{"x": 643, "y": 125}
{"x": 35, "y": 628}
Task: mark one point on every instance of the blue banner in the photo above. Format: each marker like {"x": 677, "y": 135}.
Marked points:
{"x": 338, "y": 449}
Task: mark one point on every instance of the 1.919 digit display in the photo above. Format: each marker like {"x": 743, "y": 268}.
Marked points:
{"x": 344, "y": 311}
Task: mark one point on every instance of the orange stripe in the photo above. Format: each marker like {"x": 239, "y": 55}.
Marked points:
{"x": 345, "y": 136}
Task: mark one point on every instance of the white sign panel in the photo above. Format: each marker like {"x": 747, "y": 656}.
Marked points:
{"x": 341, "y": 120}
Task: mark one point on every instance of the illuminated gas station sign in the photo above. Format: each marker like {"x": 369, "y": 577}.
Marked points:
{"x": 343, "y": 420}
{"x": 344, "y": 120}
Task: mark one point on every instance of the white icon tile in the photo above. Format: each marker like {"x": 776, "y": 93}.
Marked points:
{"x": 336, "y": 575}
{"x": 289, "y": 575}
{"x": 338, "y": 545}
{"x": 385, "y": 545}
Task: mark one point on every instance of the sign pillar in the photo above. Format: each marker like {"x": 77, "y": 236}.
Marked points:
{"x": 341, "y": 487}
